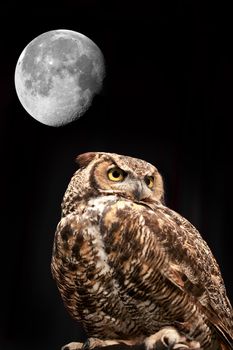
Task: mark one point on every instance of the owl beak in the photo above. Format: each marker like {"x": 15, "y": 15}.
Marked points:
{"x": 139, "y": 192}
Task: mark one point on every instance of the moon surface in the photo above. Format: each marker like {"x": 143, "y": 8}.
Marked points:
{"x": 57, "y": 75}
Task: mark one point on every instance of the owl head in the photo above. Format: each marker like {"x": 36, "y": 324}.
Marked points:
{"x": 103, "y": 173}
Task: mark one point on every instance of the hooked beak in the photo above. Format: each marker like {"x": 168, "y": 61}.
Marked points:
{"x": 139, "y": 192}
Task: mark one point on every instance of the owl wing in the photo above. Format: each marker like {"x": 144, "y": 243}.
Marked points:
{"x": 146, "y": 245}
{"x": 195, "y": 271}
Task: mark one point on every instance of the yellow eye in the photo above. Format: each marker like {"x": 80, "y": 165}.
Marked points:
{"x": 116, "y": 174}
{"x": 149, "y": 180}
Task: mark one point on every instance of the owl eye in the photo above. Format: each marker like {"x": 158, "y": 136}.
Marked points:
{"x": 116, "y": 174}
{"x": 149, "y": 180}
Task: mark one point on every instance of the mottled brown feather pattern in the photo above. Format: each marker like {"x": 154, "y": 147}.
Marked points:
{"x": 125, "y": 266}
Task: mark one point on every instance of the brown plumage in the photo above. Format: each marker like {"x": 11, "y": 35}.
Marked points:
{"x": 132, "y": 270}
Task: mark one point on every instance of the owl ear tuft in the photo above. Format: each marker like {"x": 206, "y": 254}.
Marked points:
{"x": 85, "y": 158}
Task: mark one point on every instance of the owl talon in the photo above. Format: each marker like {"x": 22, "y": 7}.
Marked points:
{"x": 169, "y": 339}
{"x": 180, "y": 346}
{"x": 92, "y": 343}
{"x": 72, "y": 346}
{"x": 86, "y": 345}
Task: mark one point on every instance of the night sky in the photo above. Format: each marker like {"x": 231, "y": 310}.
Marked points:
{"x": 167, "y": 98}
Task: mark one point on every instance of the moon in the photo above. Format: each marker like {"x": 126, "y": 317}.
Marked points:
{"x": 57, "y": 75}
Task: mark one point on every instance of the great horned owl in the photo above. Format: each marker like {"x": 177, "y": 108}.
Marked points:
{"x": 130, "y": 269}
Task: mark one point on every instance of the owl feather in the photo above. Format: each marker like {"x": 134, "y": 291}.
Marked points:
{"x": 128, "y": 267}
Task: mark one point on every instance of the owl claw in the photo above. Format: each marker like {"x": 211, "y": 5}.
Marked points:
{"x": 86, "y": 345}
{"x": 72, "y": 346}
{"x": 169, "y": 339}
{"x": 92, "y": 343}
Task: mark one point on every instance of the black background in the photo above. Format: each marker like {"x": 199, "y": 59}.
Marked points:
{"x": 167, "y": 98}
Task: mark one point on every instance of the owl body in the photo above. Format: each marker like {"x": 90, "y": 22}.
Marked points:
{"x": 126, "y": 265}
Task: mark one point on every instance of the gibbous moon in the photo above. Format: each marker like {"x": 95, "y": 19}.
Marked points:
{"x": 57, "y": 75}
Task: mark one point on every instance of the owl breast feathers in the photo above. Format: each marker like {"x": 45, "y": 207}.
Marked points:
{"x": 127, "y": 266}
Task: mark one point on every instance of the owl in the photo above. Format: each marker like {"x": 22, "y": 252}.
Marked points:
{"x": 131, "y": 270}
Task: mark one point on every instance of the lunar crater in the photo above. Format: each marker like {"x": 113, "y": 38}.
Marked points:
{"x": 57, "y": 76}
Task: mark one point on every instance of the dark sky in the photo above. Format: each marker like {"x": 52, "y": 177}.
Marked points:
{"x": 167, "y": 98}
